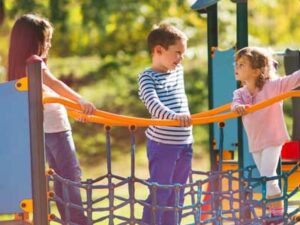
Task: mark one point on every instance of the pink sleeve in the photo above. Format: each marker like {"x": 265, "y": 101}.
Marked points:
{"x": 237, "y": 99}
{"x": 289, "y": 82}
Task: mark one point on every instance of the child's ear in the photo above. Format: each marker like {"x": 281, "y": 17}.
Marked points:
{"x": 158, "y": 49}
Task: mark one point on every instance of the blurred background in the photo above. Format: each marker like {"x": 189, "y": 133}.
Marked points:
{"x": 99, "y": 48}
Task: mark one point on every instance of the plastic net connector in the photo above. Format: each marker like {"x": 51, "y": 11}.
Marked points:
{"x": 27, "y": 205}
{"x": 51, "y": 217}
{"x": 222, "y": 124}
{"x": 50, "y": 172}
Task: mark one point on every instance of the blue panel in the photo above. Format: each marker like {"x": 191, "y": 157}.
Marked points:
{"x": 202, "y": 4}
{"x": 15, "y": 167}
{"x": 223, "y": 86}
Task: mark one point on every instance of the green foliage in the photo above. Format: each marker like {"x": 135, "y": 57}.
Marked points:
{"x": 24, "y": 6}
{"x": 274, "y": 23}
{"x": 59, "y": 16}
{"x": 108, "y": 18}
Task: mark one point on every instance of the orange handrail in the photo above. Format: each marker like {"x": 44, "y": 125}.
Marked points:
{"x": 111, "y": 118}
{"x": 210, "y": 116}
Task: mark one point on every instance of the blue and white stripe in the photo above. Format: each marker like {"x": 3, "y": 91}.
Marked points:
{"x": 164, "y": 95}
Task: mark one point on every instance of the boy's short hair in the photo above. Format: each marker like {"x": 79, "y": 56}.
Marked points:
{"x": 164, "y": 35}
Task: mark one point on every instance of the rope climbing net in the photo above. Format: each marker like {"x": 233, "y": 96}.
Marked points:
{"x": 215, "y": 197}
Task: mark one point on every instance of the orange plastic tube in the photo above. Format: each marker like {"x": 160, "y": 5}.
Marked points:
{"x": 210, "y": 116}
{"x": 111, "y": 117}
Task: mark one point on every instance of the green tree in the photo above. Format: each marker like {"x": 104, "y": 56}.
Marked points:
{"x": 59, "y": 17}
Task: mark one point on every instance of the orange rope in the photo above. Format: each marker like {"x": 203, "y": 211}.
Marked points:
{"x": 210, "y": 116}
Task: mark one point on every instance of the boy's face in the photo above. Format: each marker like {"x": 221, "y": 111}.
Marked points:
{"x": 168, "y": 59}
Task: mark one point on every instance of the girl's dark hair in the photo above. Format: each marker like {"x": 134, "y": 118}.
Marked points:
{"x": 259, "y": 58}
{"x": 28, "y": 37}
{"x": 164, "y": 35}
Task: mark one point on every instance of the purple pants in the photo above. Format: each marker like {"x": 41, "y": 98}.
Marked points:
{"x": 61, "y": 156}
{"x": 168, "y": 165}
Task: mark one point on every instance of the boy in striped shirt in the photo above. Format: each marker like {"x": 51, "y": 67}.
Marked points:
{"x": 169, "y": 149}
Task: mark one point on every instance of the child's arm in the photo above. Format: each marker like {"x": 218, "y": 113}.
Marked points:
{"x": 148, "y": 95}
{"x": 289, "y": 82}
{"x": 62, "y": 89}
{"x": 237, "y": 104}
{"x": 157, "y": 109}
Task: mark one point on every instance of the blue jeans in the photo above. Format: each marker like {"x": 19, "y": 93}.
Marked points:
{"x": 61, "y": 156}
{"x": 168, "y": 164}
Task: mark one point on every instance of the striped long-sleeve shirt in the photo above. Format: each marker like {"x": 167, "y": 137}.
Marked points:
{"x": 163, "y": 95}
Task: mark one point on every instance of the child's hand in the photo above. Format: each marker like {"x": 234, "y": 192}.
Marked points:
{"x": 185, "y": 120}
{"x": 87, "y": 107}
{"x": 241, "y": 109}
{"x": 82, "y": 119}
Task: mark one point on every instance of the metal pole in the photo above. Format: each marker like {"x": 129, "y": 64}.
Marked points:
{"x": 242, "y": 24}
{"x": 39, "y": 185}
{"x": 242, "y": 41}
{"x": 212, "y": 41}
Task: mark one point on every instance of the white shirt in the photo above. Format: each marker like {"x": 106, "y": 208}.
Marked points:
{"x": 55, "y": 115}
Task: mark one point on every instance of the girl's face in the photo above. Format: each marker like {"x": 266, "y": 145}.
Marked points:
{"x": 47, "y": 45}
{"x": 171, "y": 57}
{"x": 244, "y": 71}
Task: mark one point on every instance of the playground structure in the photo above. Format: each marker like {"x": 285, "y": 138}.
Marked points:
{"x": 232, "y": 197}
{"x": 235, "y": 195}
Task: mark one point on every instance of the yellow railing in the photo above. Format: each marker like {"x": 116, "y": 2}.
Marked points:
{"x": 218, "y": 114}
